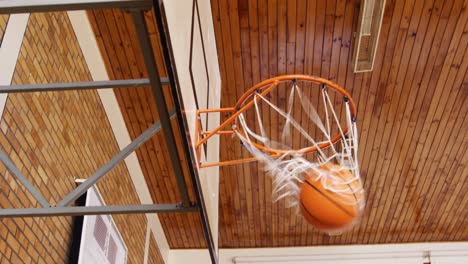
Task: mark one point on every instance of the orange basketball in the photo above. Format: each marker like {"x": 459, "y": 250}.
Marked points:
{"x": 331, "y": 202}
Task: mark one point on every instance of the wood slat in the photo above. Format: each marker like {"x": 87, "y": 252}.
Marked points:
{"x": 403, "y": 55}
{"x": 432, "y": 47}
{"x": 225, "y": 230}
{"x": 430, "y": 81}
{"x": 271, "y": 217}
{"x": 231, "y": 182}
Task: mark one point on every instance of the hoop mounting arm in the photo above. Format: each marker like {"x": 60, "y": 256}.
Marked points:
{"x": 203, "y": 136}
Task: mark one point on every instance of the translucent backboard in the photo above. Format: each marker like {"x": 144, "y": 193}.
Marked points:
{"x": 194, "y": 49}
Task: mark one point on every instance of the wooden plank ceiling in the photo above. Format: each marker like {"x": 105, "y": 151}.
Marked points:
{"x": 411, "y": 113}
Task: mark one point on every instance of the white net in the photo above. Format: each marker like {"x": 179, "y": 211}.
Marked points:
{"x": 289, "y": 167}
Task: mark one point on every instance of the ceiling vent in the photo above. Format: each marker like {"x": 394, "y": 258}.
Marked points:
{"x": 367, "y": 34}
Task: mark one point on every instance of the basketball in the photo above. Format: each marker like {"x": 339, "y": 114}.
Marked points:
{"x": 330, "y": 198}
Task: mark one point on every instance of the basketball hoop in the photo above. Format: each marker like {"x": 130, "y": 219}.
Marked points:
{"x": 323, "y": 151}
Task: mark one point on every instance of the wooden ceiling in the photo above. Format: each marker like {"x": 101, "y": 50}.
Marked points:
{"x": 411, "y": 113}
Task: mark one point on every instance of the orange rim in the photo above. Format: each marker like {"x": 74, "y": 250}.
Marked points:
{"x": 244, "y": 103}
{"x": 284, "y": 78}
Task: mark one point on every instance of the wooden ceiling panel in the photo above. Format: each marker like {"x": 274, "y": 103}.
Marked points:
{"x": 411, "y": 115}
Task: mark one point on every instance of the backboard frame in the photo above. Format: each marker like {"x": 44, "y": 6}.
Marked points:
{"x": 182, "y": 118}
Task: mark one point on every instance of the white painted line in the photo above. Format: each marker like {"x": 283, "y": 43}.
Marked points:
{"x": 9, "y": 51}
{"x": 147, "y": 244}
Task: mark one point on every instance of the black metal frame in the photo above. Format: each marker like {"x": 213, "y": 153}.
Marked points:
{"x": 168, "y": 59}
{"x": 137, "y": 8}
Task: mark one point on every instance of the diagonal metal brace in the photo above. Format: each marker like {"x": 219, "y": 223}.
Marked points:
{"x": 27, "y": 184}
{"x": 124, "y": 153}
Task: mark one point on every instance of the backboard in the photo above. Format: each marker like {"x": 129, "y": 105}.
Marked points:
{"x": 194, "y": 49}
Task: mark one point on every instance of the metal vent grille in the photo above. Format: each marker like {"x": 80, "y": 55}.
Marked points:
{"x": 100, "y": 232}
{"x": 367, "y": 34}
{"x": 112, "y": 251}
{"x": 101, "y": 241}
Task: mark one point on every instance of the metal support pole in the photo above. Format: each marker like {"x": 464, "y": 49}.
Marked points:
{"x": 95, "y": 210}
{"x": 158, "y": 95}
{"x": 101, "y": 172}
{"x": 78, "y": 85}
{"x": 27, "y": 184}
{"x": 31, "y": 6}
{"x": 165, "y": 45}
